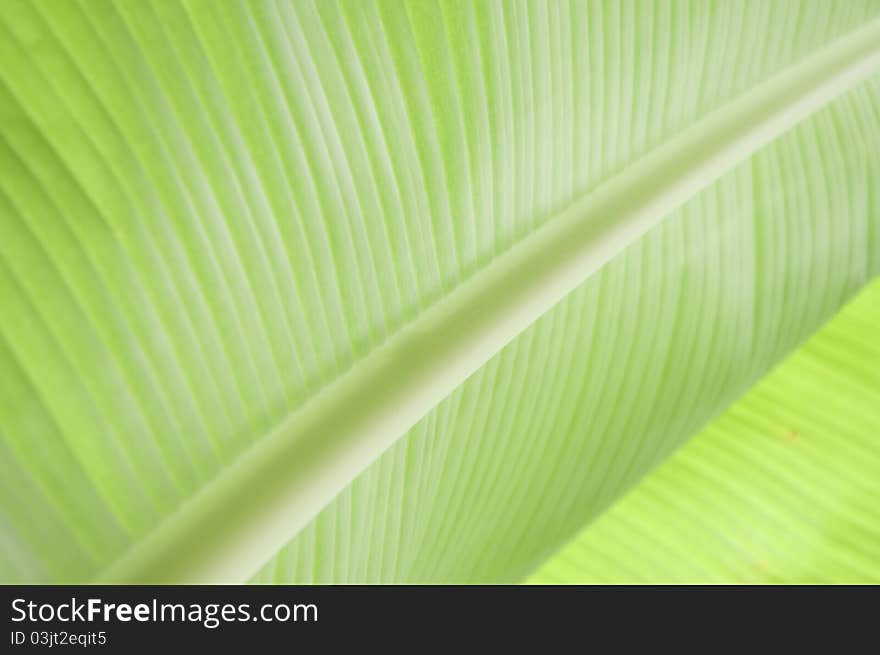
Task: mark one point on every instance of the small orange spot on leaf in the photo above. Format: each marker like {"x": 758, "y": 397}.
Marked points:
{"x": 791, "y": 436}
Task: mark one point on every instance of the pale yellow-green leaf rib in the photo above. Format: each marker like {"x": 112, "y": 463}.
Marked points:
{"x": 602, "y": 387}
{"x": 242, "y": 517}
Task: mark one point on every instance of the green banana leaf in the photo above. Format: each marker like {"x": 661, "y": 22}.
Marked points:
{"x": 783, "y": 487}
{"x": 400, "y": 292}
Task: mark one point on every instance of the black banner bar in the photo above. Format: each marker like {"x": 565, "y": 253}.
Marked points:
{"x": 130, "y": 618}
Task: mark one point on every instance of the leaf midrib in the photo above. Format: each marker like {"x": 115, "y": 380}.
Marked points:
{"x": 261, "y": 500}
